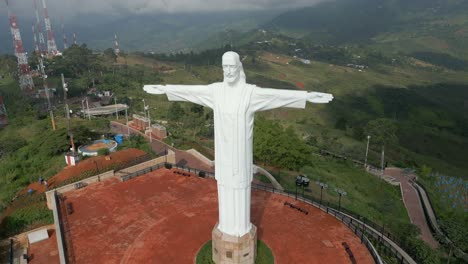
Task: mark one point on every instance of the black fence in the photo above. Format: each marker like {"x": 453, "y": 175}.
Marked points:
{"x": 63, "y": 212}
{"x": 200, "y": 173}
{"x": 132, "y": 162}
{"x": 11, "y": 251}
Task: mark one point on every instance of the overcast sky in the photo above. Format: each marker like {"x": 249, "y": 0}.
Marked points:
{"x": 70, "y": 8}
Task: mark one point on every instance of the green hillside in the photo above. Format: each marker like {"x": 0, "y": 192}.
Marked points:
{"x": 405, "y": 26}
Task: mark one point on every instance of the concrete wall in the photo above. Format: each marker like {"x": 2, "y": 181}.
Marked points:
{"x": 201, "y": 157}
{"x": 170, "y": 158}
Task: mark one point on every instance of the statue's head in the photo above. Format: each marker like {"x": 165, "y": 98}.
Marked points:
{"x": 232, "y": 68}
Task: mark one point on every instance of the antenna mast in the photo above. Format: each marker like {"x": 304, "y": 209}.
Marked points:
{"x": 65, "y": 42}
{"x": 36, "y": 45}
{"x": 46, "y": 89}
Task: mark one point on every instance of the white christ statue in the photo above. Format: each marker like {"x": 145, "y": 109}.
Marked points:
{"x": 234, "y": 103}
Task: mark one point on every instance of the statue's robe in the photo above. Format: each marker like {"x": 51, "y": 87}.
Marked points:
{"x": 234, "y": 109}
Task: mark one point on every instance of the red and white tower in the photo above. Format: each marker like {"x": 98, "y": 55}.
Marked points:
{"x": 25, "y": 79}
{"x": 42, "y": 46}
{"x": 51, "y": 46}
{"x": 65, "y": 42}
{"x": 116, "y": 45}
{"x": 74, "y": 38}
{"x": 36, "y": 45}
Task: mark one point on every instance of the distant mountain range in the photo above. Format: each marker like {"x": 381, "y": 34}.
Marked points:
{"x": 158, "y": 32}
{"x": 439, "y": 26}
{"x": 403, "y": 25}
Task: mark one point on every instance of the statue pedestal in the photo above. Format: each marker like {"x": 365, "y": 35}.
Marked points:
{"x": 229, "y": 249}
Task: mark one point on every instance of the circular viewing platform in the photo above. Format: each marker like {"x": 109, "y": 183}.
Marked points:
{"x": 165, "y": 216}
{"x": 93, "y": 148}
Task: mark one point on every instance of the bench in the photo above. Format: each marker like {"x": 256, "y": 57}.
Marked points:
{"x": 350, "y": 253}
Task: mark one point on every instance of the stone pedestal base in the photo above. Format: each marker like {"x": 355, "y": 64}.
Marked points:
{"x": 229, "y": 249}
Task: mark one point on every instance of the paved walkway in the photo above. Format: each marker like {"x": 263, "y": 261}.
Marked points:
{"x": 413, "y": 204}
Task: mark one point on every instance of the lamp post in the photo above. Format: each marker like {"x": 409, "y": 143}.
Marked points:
{"x": 341, "y": 193}
{"x": 87, "y": 107}
{"x": 144, "y": 106}
{"x": 126, "y": 117}
{"x": 116, "y": 110}
{"x": 322, "y": 186}
{"x": 149, "y": 124}
{"x": 367, "y": 151}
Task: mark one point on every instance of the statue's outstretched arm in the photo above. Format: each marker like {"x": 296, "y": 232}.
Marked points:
{"x": 267, "y": 98}
{"x": 319, "y": 98}
{"x": 155, "y": 89}
{"x": 198, "y": 94}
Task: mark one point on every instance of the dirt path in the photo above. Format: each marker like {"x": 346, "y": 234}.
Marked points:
{"x": 413, "y": 204}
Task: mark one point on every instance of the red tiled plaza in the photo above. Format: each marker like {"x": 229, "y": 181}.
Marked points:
{"x": 163, "y": 217}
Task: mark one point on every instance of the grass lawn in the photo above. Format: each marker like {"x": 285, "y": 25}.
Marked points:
{"x": 367, "y": 195}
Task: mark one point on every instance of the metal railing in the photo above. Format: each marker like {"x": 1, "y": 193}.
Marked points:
{"x": 440, "y": 235}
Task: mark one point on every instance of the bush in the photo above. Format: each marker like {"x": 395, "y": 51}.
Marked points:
{"x": 25, "y": 218}
{"x": 103, "y": 152}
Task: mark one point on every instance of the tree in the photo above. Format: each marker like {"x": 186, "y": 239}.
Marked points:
{"x": 110, "y": 55}
{"x": 277, "y": 146}
{"x": 176, "y": 112}
{"x": 383, "y": 132}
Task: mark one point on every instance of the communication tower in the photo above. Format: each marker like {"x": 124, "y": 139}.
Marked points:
{"x": 51, "y": 46}
{"x": 116, "y": 45}
{"x": 42, "y": 46}
{"x": 25, "y": 79}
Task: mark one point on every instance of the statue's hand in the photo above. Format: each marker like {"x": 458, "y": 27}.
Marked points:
{"x": 154, "y": 89}
{"x": 319, "y": 98}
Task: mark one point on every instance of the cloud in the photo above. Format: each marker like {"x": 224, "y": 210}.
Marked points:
{"x": 71, "y": 8}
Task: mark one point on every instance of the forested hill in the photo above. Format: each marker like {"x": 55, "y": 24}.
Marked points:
{"x": 430, "y": 25}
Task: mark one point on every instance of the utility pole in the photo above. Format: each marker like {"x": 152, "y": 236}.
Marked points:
{"x": 382, "y": 160}
{"x": 87, "y": 107}
{"x": 367, "y": 151}
{"x": 82, "y": 108}
{"x": 65, "y": 99}
{"x": 46, "y": 88}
